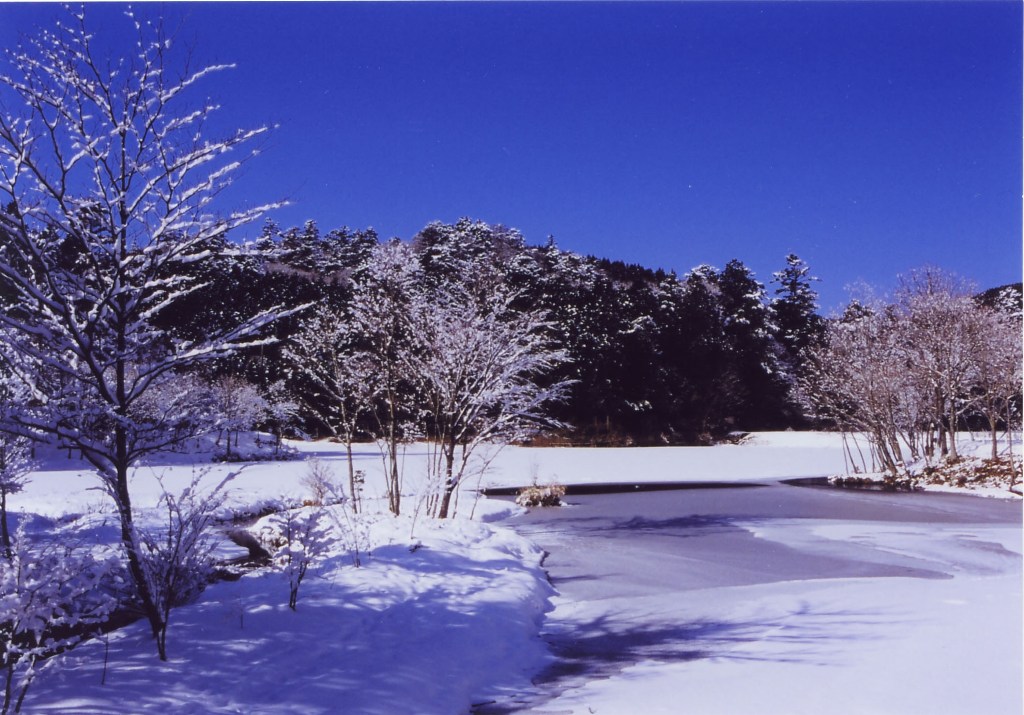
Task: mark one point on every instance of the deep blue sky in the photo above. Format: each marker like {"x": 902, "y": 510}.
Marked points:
{"x": 869, "y": 138}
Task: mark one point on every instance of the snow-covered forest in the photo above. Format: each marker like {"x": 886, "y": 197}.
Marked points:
{"x": 136, "y": 323}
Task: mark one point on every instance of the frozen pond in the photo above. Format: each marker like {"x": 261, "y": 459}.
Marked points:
{"x": 733, "y": 576}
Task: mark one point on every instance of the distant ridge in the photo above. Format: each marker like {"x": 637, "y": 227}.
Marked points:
{"x": 990, "y": 296}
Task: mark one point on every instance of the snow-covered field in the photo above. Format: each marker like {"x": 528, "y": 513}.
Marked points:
{"x": 444, "y": 615}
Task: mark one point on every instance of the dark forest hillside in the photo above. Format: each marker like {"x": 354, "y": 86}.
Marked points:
{"x": 654, "y": 358}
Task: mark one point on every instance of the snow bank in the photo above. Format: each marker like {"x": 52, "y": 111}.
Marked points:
{"x": 428, "y": 625}
{"x": 61, "y": 486}
{"x": 441, "y": 614}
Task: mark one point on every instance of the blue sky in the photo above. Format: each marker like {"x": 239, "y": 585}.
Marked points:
{"x": 868, "y": 138}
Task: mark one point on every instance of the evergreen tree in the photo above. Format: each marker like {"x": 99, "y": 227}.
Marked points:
{"x": 795, "y": 307}
{"x": 749, "y": 330}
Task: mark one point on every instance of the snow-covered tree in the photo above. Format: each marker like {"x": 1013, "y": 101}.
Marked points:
{"x": 749, "y": 328}
{"x": 281, "y": 409}
{"x": 944, "y": 332}
{"x": 182, "y": 401}
{"x": 15, "y": 464}
{"x": 482, "y": 372}
{"x": 381, "y": 317}
{"x": 52, "y": 595}
{"x": 15, "y": 451}
{"x": 335, "y": 375}
{"x": 469, "y": 253}
{"x": 109, "y": 185}
{"x": 795, "y": 309}
{"x": 591, "y": 323}
{"x": 997, "y": 384}
{"x": 858, "y": 379}
{"x": 906, "y": 373}
{"x": 239, "y": 407}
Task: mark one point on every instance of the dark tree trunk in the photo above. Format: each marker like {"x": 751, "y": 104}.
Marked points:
{"x": 157, "y": 622}
{"x": 351, "y": 475}
{"x": 449, "y": 482}
{"x": 5, "y": 533}
{"x": 446, "y": 500}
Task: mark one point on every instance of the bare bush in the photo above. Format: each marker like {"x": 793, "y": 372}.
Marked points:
{"x": 296, "y": 540}
{"x": 321, "y": 482}
{"x": 176, "y": 559}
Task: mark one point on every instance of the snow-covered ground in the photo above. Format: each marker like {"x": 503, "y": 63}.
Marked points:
{"x": 444, "y": 615}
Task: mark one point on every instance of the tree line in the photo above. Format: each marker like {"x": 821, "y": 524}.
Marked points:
{"x": 646, "y": 357}
{"x": 643, "y": 356}
{"x": 912, "y": 372}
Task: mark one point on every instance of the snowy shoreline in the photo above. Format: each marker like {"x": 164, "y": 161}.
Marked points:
{"x": 442, "y": 615}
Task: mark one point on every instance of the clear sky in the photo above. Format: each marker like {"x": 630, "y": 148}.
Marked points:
{"x": 867, "y": 137}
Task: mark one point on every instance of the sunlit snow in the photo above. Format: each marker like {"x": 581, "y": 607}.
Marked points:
{"x": 445, "y": 615}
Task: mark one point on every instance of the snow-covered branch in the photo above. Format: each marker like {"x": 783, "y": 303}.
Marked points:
{"x": 110, "y": 190}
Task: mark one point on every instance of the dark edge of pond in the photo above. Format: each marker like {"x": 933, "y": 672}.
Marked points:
{"x": 862, "y": 486}
{"x": 622, "y": 488}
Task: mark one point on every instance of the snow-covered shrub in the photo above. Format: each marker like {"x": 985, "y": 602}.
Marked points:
{"x": 176, "y": 559}
{"x": 321, "y": 482}
{"x": 51, "y": 597}
{"x": 1003, "y": 472}
{"x": 535, "y": 495}
{"x": 296, "y": 540}
{"x": 239, "y": 407}
{"x": 353, "y": 528}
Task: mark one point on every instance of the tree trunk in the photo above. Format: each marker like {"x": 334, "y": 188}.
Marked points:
{"x": 449, "y": 483}
{"x": 882, "y": 450}
{"x": 993, "y": 425}
{"x": 953, "y": 454}
{"x": 446, "y": 500}
{"x": 394, "y": 492}
{"x": 896, "y": 449}
{"x": 131, "y": 546}
{"x": 941, "y": 425}
{"x": 8, "y": 682}
{"x": 5, "y": 533}
{"x": 351, "y": 475}
{"x": 1009, "y": 430}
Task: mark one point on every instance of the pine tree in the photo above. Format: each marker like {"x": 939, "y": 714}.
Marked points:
{"x": 749, "y": 330}
{"x": 795, "y": 307}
